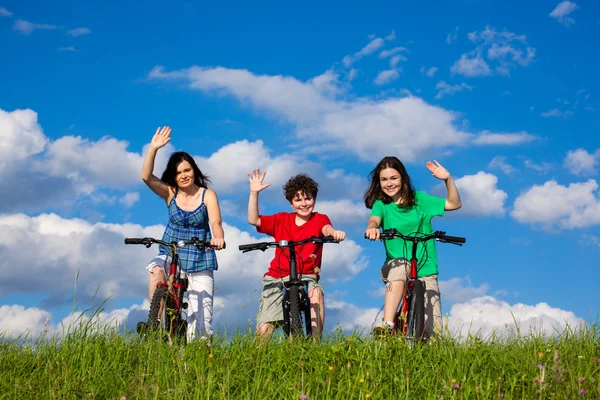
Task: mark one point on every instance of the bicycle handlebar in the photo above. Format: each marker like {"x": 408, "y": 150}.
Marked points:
{"x": 440, "y": 236}
{"x": 244, "y": 248}
{"x": 148, "y": 241}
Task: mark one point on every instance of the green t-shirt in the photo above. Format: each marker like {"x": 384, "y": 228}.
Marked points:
{"x": 411, "y": 220}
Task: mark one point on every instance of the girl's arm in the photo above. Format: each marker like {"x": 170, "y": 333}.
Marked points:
{"x": 214, "y": 217}
{"x": 329, "y": 230}
{"x": 372, "y": 231}
{"x": 256, "y": 185}
{"x": 453, "y": 199}
{"x": 161, "y": 138}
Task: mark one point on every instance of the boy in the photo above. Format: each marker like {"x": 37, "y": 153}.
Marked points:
{"x": 301, "y": 192}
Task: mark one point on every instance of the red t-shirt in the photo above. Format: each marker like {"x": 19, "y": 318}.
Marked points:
{"x": 282, "y": 226}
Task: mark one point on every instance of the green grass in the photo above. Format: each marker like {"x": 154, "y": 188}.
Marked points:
{"x": 111, "y": 365}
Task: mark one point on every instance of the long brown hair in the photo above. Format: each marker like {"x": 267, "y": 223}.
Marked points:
{"x": 170, "y": 172}
{"x": 376, "y": 193}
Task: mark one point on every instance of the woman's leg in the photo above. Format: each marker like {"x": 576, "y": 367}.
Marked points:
{"x": 156, "y": 276}
{"x": 200, "y": 304}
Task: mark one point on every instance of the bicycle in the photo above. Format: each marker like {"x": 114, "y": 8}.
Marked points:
{"x": 296, "y": 303}
{"x": 410, "y": 316}
{"x": 167, "y": 303}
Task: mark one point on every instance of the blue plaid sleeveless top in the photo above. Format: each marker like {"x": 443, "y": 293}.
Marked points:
{"x": 184, "y": 225}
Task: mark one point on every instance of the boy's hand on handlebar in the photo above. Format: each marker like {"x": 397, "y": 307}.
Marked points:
{"x": 338, "y": 236}
{"x": 256, "y": 181}
{"x": 372, "y": 233}
{"x": 217, "y": 243}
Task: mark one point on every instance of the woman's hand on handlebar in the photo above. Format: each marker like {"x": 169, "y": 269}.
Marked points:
{"x": 217, "y": 243}
{"x": 372, "y": 233}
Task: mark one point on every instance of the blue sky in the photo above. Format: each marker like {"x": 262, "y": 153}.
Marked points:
{"x": 504, "y": 97}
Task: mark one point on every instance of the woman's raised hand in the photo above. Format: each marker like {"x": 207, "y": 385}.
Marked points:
{"x": 161, "y": 137}
{"x": 256, "y": 181}
{"x": 437, "y": 170}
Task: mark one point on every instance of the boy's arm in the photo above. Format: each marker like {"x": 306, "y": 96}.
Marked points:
{"x": 329, "y": 230}
{"x": 256, "y": 185}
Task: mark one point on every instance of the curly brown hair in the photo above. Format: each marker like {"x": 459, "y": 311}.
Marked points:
{"x": 302, "y": 183}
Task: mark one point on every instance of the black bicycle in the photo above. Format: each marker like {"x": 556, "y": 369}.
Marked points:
{"x": 165, "y": 315}
{"x": 296, "y": 303}
{"x": 410, "y": 316}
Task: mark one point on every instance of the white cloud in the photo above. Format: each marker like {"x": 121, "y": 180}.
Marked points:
{"x": 393, "y": 51}
{"x": 460, "y": 290}
{"x": 480, "y": 195}
{"x": 429, "y": 71}
{"x": 542, "y": 168}
{"x": 557, "y": 113}
{"x": 129, "y": 199}
{"x": 5, "y": 13}
{"x": 504, "y": 49}
{"x": 590, "y": 240}
{"x": 405, "y": 126}
{"x": 471, "y": 66}
{"x": 506, "y": 139}
{"x": 343, "y": 211}
{"x": 580, "y": 162}
{"x": 452, "y": 36}
{"x": 78, "y": 32}
{"x": 27, "y": 28}
{"x": 394, "y": 60}
{"x": 500, "y": 163}
{"x": 555, "y": 206}
{"x": 391, "y": 36}
{"x": 386, "y": 76}
{"x": 562, "y": 10}
{"x": 20, "y": 137}
{"x": 485, "y": 315}
{"x": 444, "y": 89}
{"x": 370, "y": 48}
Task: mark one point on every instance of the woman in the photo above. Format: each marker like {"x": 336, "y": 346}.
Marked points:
{"x": 193, "y": 211}
{"x": 395, "y": 204}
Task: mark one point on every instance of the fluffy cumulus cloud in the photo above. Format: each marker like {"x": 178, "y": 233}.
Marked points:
{"x": 480, "y": 194}
{"x": 486, "y": 315}
{"x": 495, "y": 52}
{"x": 499, "y": 162}
{"x": 554, "y": 206}
{"x": 405, "y": 126}
{"x": 21, "y": 136}
{"x": 343, "y": 211}
{"x": 562, "y": 10}
{"x": 460, "y": 290}
{"x": 580, "y": 162}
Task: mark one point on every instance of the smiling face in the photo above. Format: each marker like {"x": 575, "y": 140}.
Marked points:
{"x": 391, "y": 182}
{"x": 303, "y": 204}
{"x": 184, "y": 176}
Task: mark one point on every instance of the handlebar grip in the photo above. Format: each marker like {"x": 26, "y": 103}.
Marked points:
{"x": 134, "y": 241}
{"x": 455, "y": 239}
{"x": 243, "y": 247}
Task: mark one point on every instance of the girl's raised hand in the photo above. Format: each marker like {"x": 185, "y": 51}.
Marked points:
{"x": 161, "y": 137}
{"x": 437, "y": 170}
{"x": 256, "y": 181}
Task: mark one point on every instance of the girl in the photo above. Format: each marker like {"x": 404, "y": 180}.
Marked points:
{"x": 395, "y": 204}
{"x": 193, "y": 211}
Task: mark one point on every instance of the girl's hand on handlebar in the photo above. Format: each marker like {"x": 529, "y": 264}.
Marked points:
{"x": 338, "y": 235}
{"x": 372, "y": 233}
{"x": 218, "y": 243}
{"x": 256, "y": 181}
{"x": 161, "y": 137}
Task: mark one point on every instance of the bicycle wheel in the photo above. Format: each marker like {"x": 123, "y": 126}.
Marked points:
{"x": 416, "y": 313}
{"x": 157, "y": 315}
{"x": 295, "y": 318}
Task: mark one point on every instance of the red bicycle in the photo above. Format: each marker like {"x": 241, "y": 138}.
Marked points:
{"x": 165, "y": 315}
{"x": 410, "y": 316}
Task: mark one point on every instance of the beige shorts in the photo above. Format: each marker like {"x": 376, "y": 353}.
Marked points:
{"x": 398, "y": 270}
{"x": 271, "y": 300}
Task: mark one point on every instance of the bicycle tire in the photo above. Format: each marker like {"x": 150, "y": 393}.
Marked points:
{"x": 156, "y": 321}
{"x": 295, "y": 317}
{"x": 416, "y": 314}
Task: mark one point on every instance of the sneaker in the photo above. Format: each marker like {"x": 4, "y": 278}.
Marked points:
{"x": 382, "y": 330}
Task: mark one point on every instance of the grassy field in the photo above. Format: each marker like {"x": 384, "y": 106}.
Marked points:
{"x": 111, "y": 365}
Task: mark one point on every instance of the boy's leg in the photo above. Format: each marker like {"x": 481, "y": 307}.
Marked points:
{"x": 270, "y": 311}
{"x": 200, "y": 302}
{"x": 317, "y": 308}
{"x": 265, "y": 330}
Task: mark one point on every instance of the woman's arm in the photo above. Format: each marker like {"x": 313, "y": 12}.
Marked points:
{"x": 453, "y": 199}
{"x": 214, "y": 218}
{"x": 160, "y": 138}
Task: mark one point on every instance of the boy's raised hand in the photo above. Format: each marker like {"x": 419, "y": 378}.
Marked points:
{"x": 256, "y": 181}
{"x": 437, "y": 170}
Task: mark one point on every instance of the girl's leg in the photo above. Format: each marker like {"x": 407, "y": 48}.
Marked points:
{"x": 317, "y": 310}
{"x": 200, "y": 304}
{"x": 393, "y": 294}
{"x": 433, "y": 307}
